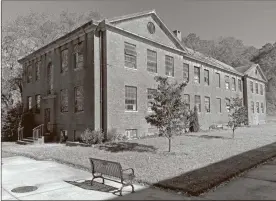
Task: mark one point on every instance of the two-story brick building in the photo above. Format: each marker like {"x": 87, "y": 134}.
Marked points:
{"x": 101, "y": 76}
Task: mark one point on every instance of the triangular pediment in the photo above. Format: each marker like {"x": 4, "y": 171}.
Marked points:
{"x": 255, "y": 71}
{"x": 141, "y": 24}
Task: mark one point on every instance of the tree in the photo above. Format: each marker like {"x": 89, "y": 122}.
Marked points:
{"x": 238, "y": 114}
{"x": 167, "y": 106}
{"x": 11, "y": 123}
{"x": 193, "y": 120}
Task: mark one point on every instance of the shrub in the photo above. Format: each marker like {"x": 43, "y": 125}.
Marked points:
{"x": 92, "y": 137}
{"x": 113, "y": 135}
{"x": 193, "y": 119}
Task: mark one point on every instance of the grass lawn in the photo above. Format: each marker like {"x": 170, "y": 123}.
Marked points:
{"x": 149, "y": 157}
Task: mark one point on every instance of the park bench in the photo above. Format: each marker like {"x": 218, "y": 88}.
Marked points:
{"x": 101, "y": 168}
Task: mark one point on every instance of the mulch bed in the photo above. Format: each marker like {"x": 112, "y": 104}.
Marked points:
{"x": 198, "y": 181}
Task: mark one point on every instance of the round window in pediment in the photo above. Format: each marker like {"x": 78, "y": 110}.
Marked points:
{"x": 151, "y": 28}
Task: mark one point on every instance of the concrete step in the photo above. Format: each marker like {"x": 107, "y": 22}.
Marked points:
{"x": 23, "y": 142}
{"x": 28, "y": 140}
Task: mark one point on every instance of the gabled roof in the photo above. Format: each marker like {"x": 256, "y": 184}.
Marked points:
{"x": 243, "y": 69}
{"x": 212, "y": 61}
{"x": 162, "y": 25}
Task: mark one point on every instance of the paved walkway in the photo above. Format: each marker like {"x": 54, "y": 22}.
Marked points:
{"x": 50, "y": 178}
{"x": 257, "y": 184}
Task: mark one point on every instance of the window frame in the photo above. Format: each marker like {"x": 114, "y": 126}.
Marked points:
{"x": 227, "y": 100}
{"x": 227, "y": 82}
{"x": 198, "y": 105}
{"x": 240, "y": 85}
{"x": 206, "y": 79}
{"x": 64, "y": 65}
{"x": 234, "y": 87}
{"x": 151, "y": 62}
{"x": 29, "y": 73}
{"x": 261, "y": 89}
{"x": 149, "y": 100}
{"x": 131, "y": 130}
{"x": 262, "y": 107}
{"x": 128, "y": 99}
{"x": 37, "y": 103}
{"x": 209, "y": 104}
{"x": 76, "y": 102}
{"x": 257, "y": 107}
{"x": 37, "y": 70}
{"x": 197, "y": 74}
{"x": 63, "y": 92}
{"x": 252, "y": 107}
{"x": 29, "y": 102}
{"x": 128, "y": 55}
{"x": 220, "y": 108}
{"x": 77, "y": 54}
{"x": 187, "y": 103}
{"x": 256, "y": 88}
{"x": 169, "y": 69}
{"x": 218, "y": 82}
{"x": 251, "y": 87}
{"x": 186, "y": 71}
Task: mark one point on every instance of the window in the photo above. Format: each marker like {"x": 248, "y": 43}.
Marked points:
{"x": 130, "y": 55}
{"x": 198, "y": 103}
{"x": 78, "y": 56}
{"x": 251, "y": 87}
{"x": 152, "y": 61}
{"x": 206, "y": 76}
{"x": 64, "y": 60}
{"x": 50, "y": 78}
{"x": 252, "y": 106}
{"x": 233, "y": 84}
{"x": 227, "y": 84}
{"x": 262, "y": 107}
{"x": 219, "y": 104}
{"x": 186, "y": 72}
{"x": 240, "y": 85}
{"x": 152, "y": 130}
{"x": 197, "y": 74}
{"x": 64, "y": 100}
{"x": 257, "y": 107}
{"x": 169, "y": 64}
{"x": 187, "y": 101}
{"x": 218, "y": 80}
{"x": 37, "y": 70}
{"x": 257, "y": 88}
{"x": 79, "y": 99}
{"x": 207, "y": 104}
{"x": 261, "y": 89}
{"x": 63, "y": 134}
{"x": 151, "y": 92}
{"x": 37, "y": 103}
{"x": 77, "y": 134}
{"x": 29, "y": 73}
{"x": 131, "y": 98}
{"x": 131, "y": 133}
{"x": 227, "y": 103}
{"x": 29, "y": 103}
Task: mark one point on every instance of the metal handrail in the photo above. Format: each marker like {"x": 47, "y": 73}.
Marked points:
{"x": 20, "y": 133}
{"x": 38, "y": 132}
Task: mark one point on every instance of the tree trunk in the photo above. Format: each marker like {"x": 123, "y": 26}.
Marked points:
{"x": 233, "y": 134}
{"x": 169, "y": 144}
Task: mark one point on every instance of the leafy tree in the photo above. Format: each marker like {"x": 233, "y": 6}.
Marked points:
{"x": 167, "y": 106}
{"x": 238, "y": 114}
{"x": 11, "y": 123}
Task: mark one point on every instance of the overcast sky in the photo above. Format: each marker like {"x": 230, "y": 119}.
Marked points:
{"x": 254, "y": 22}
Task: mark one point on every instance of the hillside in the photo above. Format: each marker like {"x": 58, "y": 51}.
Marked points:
{"x": 233, "y": 52}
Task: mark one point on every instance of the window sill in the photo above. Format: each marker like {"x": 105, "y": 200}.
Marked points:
{"x": 79, "y": 112}
{"x": 153, "y": 73}
{"x": 131, "y": 111}
{"x": 135, "y": 69}
{"x": 172, "y": 76}
{"x": 78, "y": 69}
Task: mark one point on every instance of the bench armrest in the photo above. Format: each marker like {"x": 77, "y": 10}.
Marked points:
{"x": 129, "y": 169}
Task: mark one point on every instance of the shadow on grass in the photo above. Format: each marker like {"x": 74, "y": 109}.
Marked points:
{"x": 127, "y": 146}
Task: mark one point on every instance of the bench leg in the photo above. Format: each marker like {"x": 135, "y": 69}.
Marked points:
{"x": 94, "y": 177}
{"x": 132, "y": 188}
{"x": 121, "y": 189}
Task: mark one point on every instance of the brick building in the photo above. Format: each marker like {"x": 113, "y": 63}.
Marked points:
{"x": 101, "y": 76}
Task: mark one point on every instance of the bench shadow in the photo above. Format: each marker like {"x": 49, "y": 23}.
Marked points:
{"x": 127, "y": 146}
{"x": 95, "y": 187}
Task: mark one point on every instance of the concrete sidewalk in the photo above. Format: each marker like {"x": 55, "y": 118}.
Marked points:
{"x": 256, "y": 184}
{"x": 50, "y": 178}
